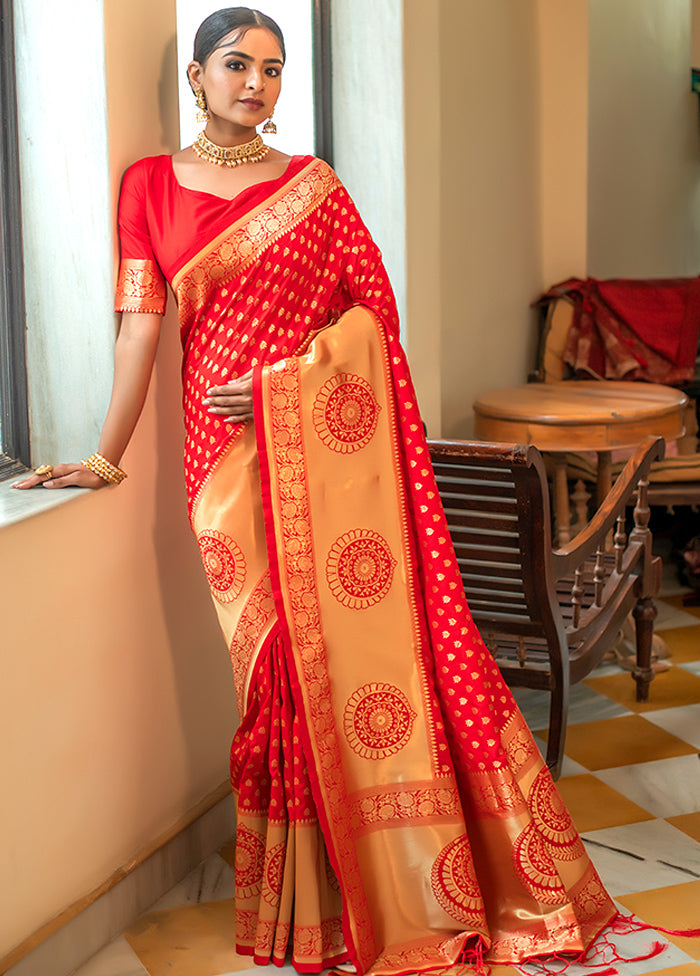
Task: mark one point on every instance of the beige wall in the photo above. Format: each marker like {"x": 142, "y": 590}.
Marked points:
{"x": 118, "y": 704}
{"x": 695, "y": 33}
{"x": 491, "y": 266}
{"x": 644, "y": 182}
{"x": 423, "y": 187}
{"x": 563, "y": 131}
{"x": 472, "y": 200}
{"x": 543, "y": 141}
{"x": 495, "y": 152}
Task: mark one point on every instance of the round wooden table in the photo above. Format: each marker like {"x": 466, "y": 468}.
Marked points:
{"x": 579, "y": 415}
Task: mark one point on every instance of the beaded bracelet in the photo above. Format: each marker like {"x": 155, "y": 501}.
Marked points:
{"x": 104, "y": 468}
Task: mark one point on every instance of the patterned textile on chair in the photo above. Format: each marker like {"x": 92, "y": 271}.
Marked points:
{"x": 636, "y": 329}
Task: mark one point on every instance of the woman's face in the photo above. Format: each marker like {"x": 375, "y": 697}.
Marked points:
{"x": 242, "y": 77}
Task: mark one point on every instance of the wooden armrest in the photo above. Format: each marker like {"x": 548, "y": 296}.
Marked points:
{"x": 519, "y": 456}
{"x": 498, "y": 451}
{"x": 568, "y": 557}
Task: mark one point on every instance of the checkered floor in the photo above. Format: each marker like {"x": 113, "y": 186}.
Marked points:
{"x": 631, "y": 780}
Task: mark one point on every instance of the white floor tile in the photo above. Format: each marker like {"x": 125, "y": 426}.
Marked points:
{"x": 211, "y": 881}
{"x": 669, "y": 617}
{"x": 636, "y": 857}
{"x": 670, "y": 584}
{"x": 585, "y": 704}
{"x": 683, "y": 722}
{"x": 628, "y": 946}
{"x": 116, "y": 959}
{"x": 664, "y": 787}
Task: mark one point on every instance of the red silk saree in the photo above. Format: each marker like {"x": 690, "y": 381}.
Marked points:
{"x": 393, "y": 809}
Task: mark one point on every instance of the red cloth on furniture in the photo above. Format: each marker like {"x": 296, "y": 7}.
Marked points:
{"x": 636, "y": 329}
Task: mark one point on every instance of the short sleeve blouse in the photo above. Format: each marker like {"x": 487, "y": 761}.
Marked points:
{"x": 141, "y": 282}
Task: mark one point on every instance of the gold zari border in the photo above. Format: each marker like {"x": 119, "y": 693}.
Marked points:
{"x": 248, "y": 237}
{"x": 140, "y": 287}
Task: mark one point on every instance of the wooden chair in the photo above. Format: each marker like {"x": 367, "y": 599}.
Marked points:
{"x": 548, "y": 615}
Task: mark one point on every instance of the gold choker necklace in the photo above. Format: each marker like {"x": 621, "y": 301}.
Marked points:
{"x": 249, "y": 152}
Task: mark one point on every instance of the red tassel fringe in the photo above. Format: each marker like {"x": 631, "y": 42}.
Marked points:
{"x": 472, "y": 955}
{"x": 622, "y": 924}
{"x": 604, "y": 952}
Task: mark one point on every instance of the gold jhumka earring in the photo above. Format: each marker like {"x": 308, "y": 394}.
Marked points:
{"x": 270, "y": 129}
{"x": 202, "y": 110}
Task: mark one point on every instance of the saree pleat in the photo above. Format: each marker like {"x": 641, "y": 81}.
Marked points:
{"x": 392, "y": 805}
{"x": 286, "y": 892}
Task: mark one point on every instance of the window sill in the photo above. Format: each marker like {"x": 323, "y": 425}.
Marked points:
{"x": 15, "y": 506}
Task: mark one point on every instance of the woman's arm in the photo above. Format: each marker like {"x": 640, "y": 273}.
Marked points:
{"x": 134, "y": 354}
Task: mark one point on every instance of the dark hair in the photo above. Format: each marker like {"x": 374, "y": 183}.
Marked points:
{"x": 223, "y": 22}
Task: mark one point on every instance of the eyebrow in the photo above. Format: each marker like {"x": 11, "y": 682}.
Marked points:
{"x": 247, "y": 57}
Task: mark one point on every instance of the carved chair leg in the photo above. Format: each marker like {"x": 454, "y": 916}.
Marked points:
{"x": 644, "y": 615}
{"x": 562, "y": 509}
{"x": 558, "y": 710}
{"x": 624, "y": 653}
{"x": 580, "y": 498}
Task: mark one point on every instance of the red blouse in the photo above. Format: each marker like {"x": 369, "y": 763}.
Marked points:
{"x": 162, "y": 225}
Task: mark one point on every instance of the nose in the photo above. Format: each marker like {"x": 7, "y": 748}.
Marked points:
{"x": 255, "y": 79}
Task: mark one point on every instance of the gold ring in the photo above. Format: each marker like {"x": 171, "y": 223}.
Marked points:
{"x": 44, "y": 470}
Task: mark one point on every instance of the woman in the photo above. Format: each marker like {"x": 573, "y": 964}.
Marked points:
{"x": 393, "y": 809}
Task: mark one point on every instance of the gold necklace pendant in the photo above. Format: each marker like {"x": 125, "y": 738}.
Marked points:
{"x": 249, "y": 152}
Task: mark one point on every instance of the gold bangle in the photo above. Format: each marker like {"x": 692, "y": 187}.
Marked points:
{"x": 105, "y": 469}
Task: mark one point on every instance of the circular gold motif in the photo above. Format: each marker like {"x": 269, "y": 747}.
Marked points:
{"x": 378, "y": 720}
{"x": 535, "y": 868}
{"x": 249, "y": 862}
{"x": 345, "y": 413}
{"x": 224, "y": 564}
{"x": 359, "y": 569}
{"x": 274, "y": 873}
{"x": 553, "y": 819}
{"x": 454, "y": 883}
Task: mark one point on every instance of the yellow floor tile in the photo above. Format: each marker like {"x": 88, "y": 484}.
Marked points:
{"x": 683, "y": 643}
{"x": 669, "y": 689}
{"x": 595, "y": 805}
{"x": 621, "y": 742}
{"x": 673, "y": 907}
{"x": 188, "y": 941}
{"x": 689, "y": 823}
{"x": 228, "y": 852}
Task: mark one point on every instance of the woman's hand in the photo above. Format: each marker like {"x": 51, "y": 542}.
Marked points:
{"x": 62, "y": 476}
{"x": 234, "y": 401}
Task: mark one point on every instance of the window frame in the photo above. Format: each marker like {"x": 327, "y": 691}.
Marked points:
{"x": 14, "y": 414}
{"x": 323, "y": 80}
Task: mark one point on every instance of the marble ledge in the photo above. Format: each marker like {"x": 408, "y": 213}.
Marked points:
{"x": 16, "y": 506}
